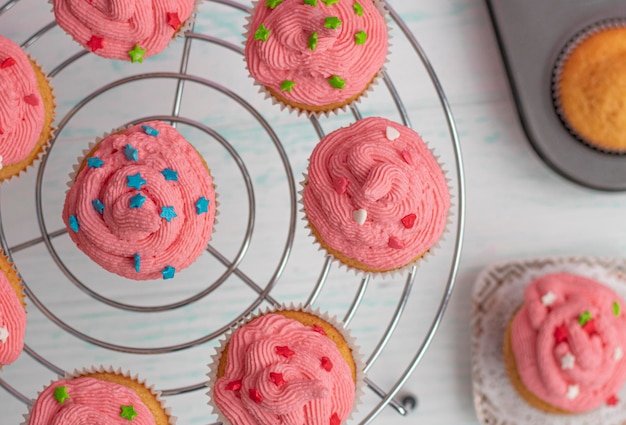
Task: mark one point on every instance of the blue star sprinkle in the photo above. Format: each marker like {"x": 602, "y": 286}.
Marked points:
{"x": 137, "y": 261}
{"x": 137, "y": 201}
{"x": 98, "y": 206}
{"x": 168, "y": 272}
{"x": 150, "y": 131}
{"x": 170, "y": 174}
{"x": 74, "y": 223}
{"x": 131, "y": 153}
{"x": 135, "y": 181}
{"x": 202, "y": 205}
{"x": 167, "y": 213}
{"x": 95, "y": 162}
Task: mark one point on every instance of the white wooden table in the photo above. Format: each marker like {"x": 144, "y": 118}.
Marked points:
{"x": 516, "y": 207}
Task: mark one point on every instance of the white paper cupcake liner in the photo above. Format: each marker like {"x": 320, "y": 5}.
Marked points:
{"x": 333, "y": 321}
{"x": 77, "y": 373}
{"x": 262, "y": 89}
{"x": 570, "y": 46}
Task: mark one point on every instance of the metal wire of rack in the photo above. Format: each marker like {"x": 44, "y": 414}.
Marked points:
{"x": 388, "y": 397}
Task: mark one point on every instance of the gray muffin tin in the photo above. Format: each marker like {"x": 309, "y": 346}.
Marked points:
{"x": 531, "y": 34}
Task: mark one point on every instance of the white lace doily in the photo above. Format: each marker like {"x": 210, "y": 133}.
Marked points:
{"x": 498, "y": 292}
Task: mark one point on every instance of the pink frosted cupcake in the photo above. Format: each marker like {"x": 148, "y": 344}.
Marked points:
{"x": 375, "y": 197}
{"x": 142, "y": 202}
{"x": 12, "y": 313}
{"x": 129, "y": 30}
{"x": 316, "y": 55}
{"x": 564, "y": 348}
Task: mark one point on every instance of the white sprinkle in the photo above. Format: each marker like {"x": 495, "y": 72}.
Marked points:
{"x": 567, "y": 361}
{"x": 392, "y": 133}
{"x": 4, "y": 334}
{"x": 548, "y": 299}
{"x": 618, "y": 353}
{"x": 572, "y": 392}
{"x": 1, "y": 162}
{"x": 359, "y": 216}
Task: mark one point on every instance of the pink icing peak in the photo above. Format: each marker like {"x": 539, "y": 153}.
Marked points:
{"x": 12, "y": 323}
{"x": 304, "y": 393}
{"x": 558, "y": 356}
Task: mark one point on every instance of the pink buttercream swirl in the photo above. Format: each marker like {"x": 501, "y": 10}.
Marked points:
{"x": 132, "y": 219}
{"x": 307, "y": 383}
{"x": 90, "y": 402}
{"x": 286, "y": 54}
{"x": 569, "y": 341}
{"x": 12, "y": 323}
{"x": 397, "y": 183}
{"x": 21, "y": 107}
{"x": 121, "y": 24}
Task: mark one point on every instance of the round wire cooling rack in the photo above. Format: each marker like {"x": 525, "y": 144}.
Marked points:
{"x": 230, "y": 262}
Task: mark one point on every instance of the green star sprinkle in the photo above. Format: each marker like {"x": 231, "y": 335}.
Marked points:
{"x": 313, "y": 41}
{"x": 358, "y": 9}
{"x": 311, "y": 2}
{"x": 332, "y": 22}
{"x": 584, "y": 318}
{"x": 136, "y": 54}
{"x": 360, "y": 37}
{"x": 273, "y": 3}
{"x": 337, "y": 82}
{"x": 616, "y": 308}
{"x": 128, "y": 412}
{"x": 60, "y": 393}
{"x": 287, "y": 85}
{"x": 262, "y": 33}
{"x": 329, "y": 2}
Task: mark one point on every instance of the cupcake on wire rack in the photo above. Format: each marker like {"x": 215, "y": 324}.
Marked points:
{"x": 12, "y": 312}
{"x": 316, "y": 56}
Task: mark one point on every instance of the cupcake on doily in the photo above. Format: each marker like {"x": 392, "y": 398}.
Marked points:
{"x": 12, "y": 312}
{"x": 291, "y": 364}
{"x": 375, "y": 197}
{"x": 142, "y": 202}
{"x": 128, "y": 30}
{"x": 99, "y": 396}
{"x": 590, "y": 86}
{"x": 316, "y": 56}
{"x": 564, "y": 348}
{"x": 26, "y": 110}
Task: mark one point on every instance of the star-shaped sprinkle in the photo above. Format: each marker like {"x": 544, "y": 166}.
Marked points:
{"x": 4, "y": 334}
{"x": 31, "y": 99}
{"x": 313, "y": 39}
{"x": 136, "y": 54}
{"x": 137, "y": 262}
{"x": 567, "y": 361}
{"x": 202, "y": 205}
{"x": 137, "y": 201}
{"x": 332, "y": 22}
{"x": 572, "y": 392}
{"x": 612, "y": 400}
{"x": 173, "y": 20}
{"x": 135, "y": 181}
{"x": 273, "y": 3}
{"x": 1, "y": 131}
{"x": 395, "y": 243}
{"x": 262, "y": 34}
{"x": 330, "y": 2}
{"x": 335, "y": 420}
{"x": 128, "y": 412}
{"x": 408, "y": 220}
{"x": 8, "y": 62}
{"x": 326, "y": 364}
{"x": 391, "y": 133}
{"x": 255, "y": 395}
{"x": 336, "y": 82}
{"x": 548, "y": 298}
{"x": 131, "y": 153}
{"x": 359, "y": 216}
{"x": 320, "y": 330}
{"x": 60, "y": 394}
{"x": 95, "y": 43}
{"x": 170, "y": 174}
{"x": 560, "y": 334}
{"x": 94, "y": 162}
{"x": 150, "y": 131}
{"x": 74, "y": 223}
{"x": 234, "y": 385}
{"x": 311, "y": 2}
{"x": 277, "y": 378}
{"x": 584, "y": 317}
{"x": 98, "y": 206}
{"x": 341, "y": 185}
{"x": 284, "y": 351}
{"x": 360, "y": 37}
{"x": 167, "y": 213}
{"x": 590, "y": 327}
{"x": 168, "y": 272}
{"x": 358, "y": 9}
{"x": 618, "y": 354}
{"x": 287, "y": 85}
{"x": 616, "y": 308}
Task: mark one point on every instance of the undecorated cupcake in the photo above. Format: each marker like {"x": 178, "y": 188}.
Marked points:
{"x": 99, "y": 396}
{"x": 12, "y": 313}
{"x": 290, "y": 365}
{"x": 375, "y": 197}
{"x": 316, "y": 56}
{"x": 590, "y": 86}
{"x": 141, "y": 202}
{"x": 564, "y": 348}
{"x": 26, "y": 110}
{"x": 128, "y": 30}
